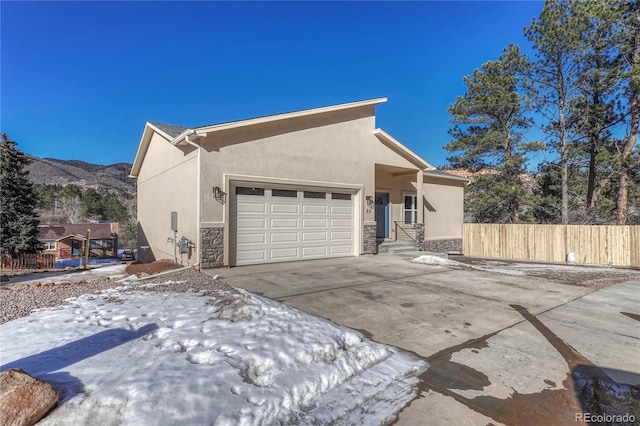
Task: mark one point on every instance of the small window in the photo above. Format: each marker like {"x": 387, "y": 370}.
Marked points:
{"x": 242, "y": 190}
{"x": 284, "y": 193}
{"x": 314, "y": 194}
{"x": 49, "y": 245}
{"x": 338, "y": 196}
{"x": 410, "y": 209}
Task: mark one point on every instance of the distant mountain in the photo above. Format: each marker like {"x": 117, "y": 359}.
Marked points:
{"x": 63, "y": 172}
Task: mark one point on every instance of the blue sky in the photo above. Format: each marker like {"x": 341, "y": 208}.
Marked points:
{"x": 80, "y": 79}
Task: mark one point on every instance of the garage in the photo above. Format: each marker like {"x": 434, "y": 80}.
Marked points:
{"x": 272, "y": 224}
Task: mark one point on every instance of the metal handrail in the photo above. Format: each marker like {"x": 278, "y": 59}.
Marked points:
{"x": 399, "y": 225}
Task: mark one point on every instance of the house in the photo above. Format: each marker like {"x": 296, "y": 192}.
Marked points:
{"x": 68, "y": 240}
{"x": 310, "y": 184}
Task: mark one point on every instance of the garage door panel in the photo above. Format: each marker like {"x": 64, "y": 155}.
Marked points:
{"x": 342, "y": 249}
{"x": 252, "y": 223}
{"x": 314, "y": 223}
{"x": 341, "y": 235}
{"x": 277, "y": 226}
{"x": 252, "y": 238}
{"x": 284, "y": 237}
{"x": 340, "y": 223}
{"x": 277, "y": 208}
{"x": 314, "y": 236}
{"x": 341, "y": 210}
{"x": 284, "y": 223}
{"x": 252, "y": 207}
{"x": 251, "y": 256}
{"x": 284, "y": 253}
{"x": 319, "y": 251}
{"x": 310, "y": 209}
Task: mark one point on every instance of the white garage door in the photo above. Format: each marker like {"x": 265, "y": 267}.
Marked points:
{"x": 279, "y": 225}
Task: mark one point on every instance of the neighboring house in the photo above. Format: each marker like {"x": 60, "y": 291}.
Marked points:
{"x": 68, "y": 240}
{"x": 310, "y": 184}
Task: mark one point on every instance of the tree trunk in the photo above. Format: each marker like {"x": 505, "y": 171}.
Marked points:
{"x": 634, "y": 109}
{"x": 594, "y": 135}
{"x": 622, "y": 203}
{"x": 564, "y": 163}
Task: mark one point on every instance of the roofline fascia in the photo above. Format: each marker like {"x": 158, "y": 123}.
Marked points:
{"x": 203, "y": 131}
{"x": 71, "y": 235}
{"x": 449, "y": 177}
{"x": 401, "y": 149}
{"x": 143, "y": 146}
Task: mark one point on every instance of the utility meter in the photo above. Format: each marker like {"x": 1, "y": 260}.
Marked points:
{"x": 183, "y": 245}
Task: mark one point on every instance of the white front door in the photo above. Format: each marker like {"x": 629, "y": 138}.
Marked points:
{"x": 279, "y": 225}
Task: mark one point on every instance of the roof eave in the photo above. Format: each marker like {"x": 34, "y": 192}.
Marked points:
{"x": 401, "y": 149}
{"x": 447, "y": 176}
{"x": 205, "y": 130}
{"x": 143, "y": 146}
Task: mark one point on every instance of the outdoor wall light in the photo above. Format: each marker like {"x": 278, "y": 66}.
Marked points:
{"x": 369, "y": 201}
{"x": 218, "y": 194}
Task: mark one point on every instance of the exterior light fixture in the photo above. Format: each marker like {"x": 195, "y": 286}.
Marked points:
{"x": 218, "y": 194}
{"x": 370, "y": 201}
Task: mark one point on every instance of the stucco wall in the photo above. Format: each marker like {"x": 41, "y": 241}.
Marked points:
{"x": 166, "y": 183}
{"x": 444, "y": 217}
{"x": 335, "y": 147}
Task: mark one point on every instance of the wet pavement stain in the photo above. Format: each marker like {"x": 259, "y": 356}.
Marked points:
{"x": 446, "y": 374}
{"x": 550, "y": 407}
{"x": 370, "y": 295}
{"x": 632, "y": 316}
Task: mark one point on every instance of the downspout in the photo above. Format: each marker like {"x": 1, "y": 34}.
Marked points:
{"x": 199, "y": 197}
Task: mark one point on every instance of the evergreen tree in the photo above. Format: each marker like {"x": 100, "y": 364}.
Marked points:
{"x": 629, "y": 31}
{"x": 597, "y": 104}
{"x": 489, "y": 126}
{"x": 555, "y": 35}
{"x": 18, "y": 220}
{"x": 92, "y": 203}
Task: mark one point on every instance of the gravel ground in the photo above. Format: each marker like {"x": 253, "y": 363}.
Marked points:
{"x": 595, "y": 277}
{"x": 20, "y": 300}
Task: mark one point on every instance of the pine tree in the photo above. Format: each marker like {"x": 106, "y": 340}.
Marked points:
{"x": 630, "y": 53}
{"x": 489, "y": 126}
{"x": 555, "y": 35}
{"x": 18, "y": 219}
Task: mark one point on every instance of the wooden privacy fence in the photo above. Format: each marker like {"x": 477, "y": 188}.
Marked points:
{"x": 591, "y": 244}
{"x": 29, "y": 261}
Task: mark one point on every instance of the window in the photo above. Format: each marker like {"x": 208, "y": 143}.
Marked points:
{"x": 49, "y": 245}
{"x": 338, "y": 196}
{"x": 241, "y": 190}
{"x": 313, "y": 194}
{"x": 284, "y": 193}
{"x": 410, "y": 209}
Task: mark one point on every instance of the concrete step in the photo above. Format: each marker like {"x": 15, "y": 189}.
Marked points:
{"x": 403, "y": 249}
{"x": 397, "y": 247}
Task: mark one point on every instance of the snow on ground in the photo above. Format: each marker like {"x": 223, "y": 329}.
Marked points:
{"x": 429, "y": 259}
{"x": 133, "y": 357}
{"x": 92, "y": 273}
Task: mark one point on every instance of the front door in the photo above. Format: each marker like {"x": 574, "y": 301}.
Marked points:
{"x": 75, "y": 248}
{"x": 382, "y": 215}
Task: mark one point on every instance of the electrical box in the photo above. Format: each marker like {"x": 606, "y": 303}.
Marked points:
{"x": 183, "y": 245}
{"x": 174, "y": 221}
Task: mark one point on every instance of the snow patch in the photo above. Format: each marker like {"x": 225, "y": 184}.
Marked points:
{"x": 179, "y": 358}
{"x": 429, "y": 259}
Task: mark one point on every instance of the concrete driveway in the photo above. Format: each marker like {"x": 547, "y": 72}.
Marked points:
{"x": 503, "y": 349}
